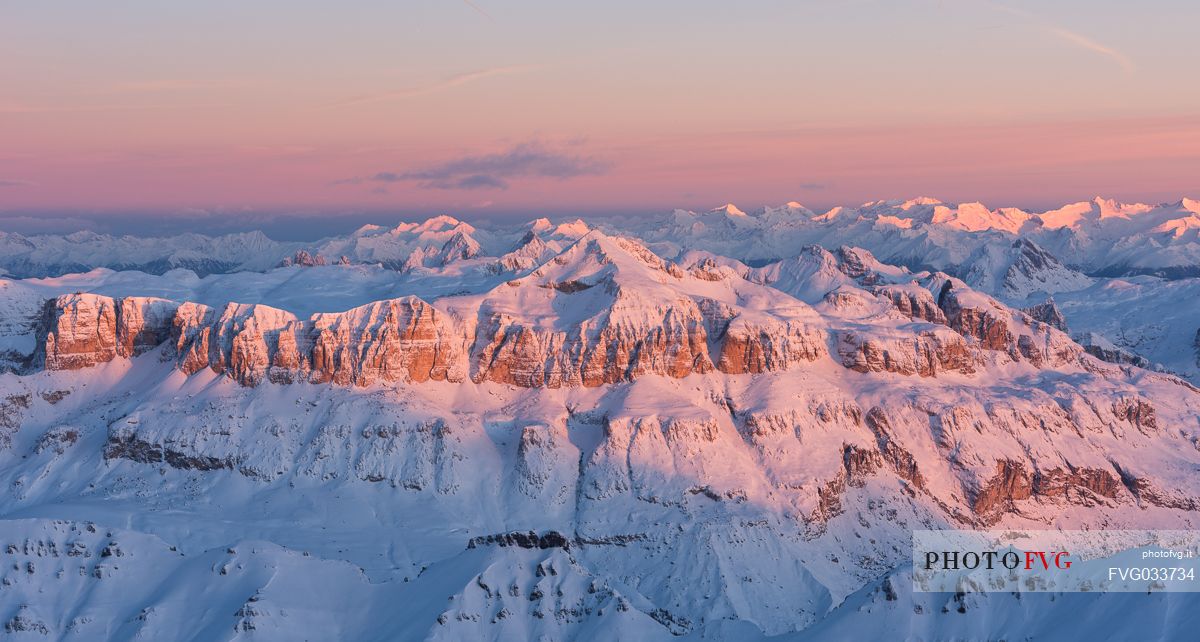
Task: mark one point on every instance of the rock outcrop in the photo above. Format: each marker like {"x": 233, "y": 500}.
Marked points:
{"x": 925, "y": 352}
{"x": 913, "y": 301}
{"x": 672, "y": 342}
{"x": 87, "y": 329}
{"x": 396, "y": 340}
{"x": 975, "y": 315}
{"x": 1105, "y": 350}
{"x": 1047, "y": 312}
{"x": 606, "y": 310}
{"x": 1002, "y": 329}
{"x": 304, "y": 258}
{"x": 393, "y": 340}
{"x": 749, "y": 347}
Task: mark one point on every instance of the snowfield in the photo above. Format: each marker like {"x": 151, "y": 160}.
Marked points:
{"x": 720, "y": 426}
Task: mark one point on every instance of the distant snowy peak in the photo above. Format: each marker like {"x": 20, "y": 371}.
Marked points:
{"x": 461, "y": 246}
{"x": 816, "y": 272}
{"x": 571, "y": 229}
{"x": 52, "y": 255}
{"x": 539, "y": 226}
{"x": 1020, "y": 270}
{"x": 598, "y": 256}
{"x": 549, "y": 231}
{"x": 976, "y": 217}
{"x": 729, "y": 209}
{"x": 438, "y": 225}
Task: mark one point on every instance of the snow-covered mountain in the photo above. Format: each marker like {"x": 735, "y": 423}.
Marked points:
{"x": 551, "y": 431}
{"x": 1100, "y": 238}
{"x": 431, "y": 243}
{"x": 53, "y": 255}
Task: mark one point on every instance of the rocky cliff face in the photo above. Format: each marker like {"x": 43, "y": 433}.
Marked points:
{"x": 394, "y": 340}
{"x": 925, "y": 352}
{"x": 398, "y": 340}
{"x": 750, "y": 347}
{"x": 83, "y": 332}
{"x": 1047, "y": 312}
{"x": 671, "y": 341}
{"x": 603, "y": 311}
{"x": 913, "y": 301}
{"x": 86, "y": 329}
{"x": 1001, "y": 329}
{"x": 410, "y": 340}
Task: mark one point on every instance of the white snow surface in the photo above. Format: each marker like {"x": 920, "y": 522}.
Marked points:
{"x": 143, "y": 503}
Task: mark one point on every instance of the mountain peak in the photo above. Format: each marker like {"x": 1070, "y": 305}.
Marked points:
{"x": 572, "y": 229}
{"x": 920, "y": 200}
{"x": 442, "y": 223}
{"x": 729, "y": 209}
{"x": 540, "y": 225}
{"x": 599, "y": 258}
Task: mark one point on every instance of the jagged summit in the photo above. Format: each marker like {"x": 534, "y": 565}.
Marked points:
{"x": 729, "y": 209}
{"x": 539, "y": 225}
{"x": 920, "y": 200}
{"x": 597, "y": 251}
{"x": 572, "y": 229}
{"x": 437, "y": 224}
{"x": 459, "y": 247}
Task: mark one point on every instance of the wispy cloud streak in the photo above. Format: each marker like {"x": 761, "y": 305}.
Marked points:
{"x": 449, "y": 83}
{"x": 1068, "y": 36}
{"x": 1080, "y": 40}
{"x": 479, "y": 10}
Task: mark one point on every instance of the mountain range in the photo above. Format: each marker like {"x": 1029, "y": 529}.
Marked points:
{"x": 711, "y": 425}
{"x": 1101, "y": 237}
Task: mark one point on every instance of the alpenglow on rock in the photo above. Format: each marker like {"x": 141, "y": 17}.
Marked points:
{"x": 605, "y": 310}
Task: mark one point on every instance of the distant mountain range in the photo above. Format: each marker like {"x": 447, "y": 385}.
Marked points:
{"x": 1098, "y": 238}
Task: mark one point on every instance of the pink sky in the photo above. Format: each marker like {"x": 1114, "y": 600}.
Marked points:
{"x": 435, "y": 106}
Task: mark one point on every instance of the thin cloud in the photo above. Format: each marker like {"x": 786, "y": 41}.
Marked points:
{"x": 471, "y": 181}
{"x": 449, "y": 83}
{"x": 1080, "y": 40}
{"x": 493, "y": 171}
{"x": 16, "y": 182}
{"x": 1066, "y": 35}
{"x": 479, "y": 10}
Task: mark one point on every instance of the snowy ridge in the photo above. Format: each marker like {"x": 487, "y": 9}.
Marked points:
{"x": 1101, "y": 237}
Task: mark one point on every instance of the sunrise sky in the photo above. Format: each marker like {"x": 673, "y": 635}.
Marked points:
{"x": 422, "y": 106}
